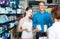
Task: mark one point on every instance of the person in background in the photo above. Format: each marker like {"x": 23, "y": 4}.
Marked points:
{"x": 25, "y": 25}
{"x": 54, "y": 30}
{"x": 40, "y": 19}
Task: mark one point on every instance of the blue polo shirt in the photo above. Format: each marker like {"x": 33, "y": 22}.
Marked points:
{"x": 42, "y": 19}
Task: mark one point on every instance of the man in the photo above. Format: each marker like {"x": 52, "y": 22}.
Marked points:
{"x": 41, "y": 18}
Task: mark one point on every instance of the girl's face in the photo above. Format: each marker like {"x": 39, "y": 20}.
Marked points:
{"x": 29, "y": 12}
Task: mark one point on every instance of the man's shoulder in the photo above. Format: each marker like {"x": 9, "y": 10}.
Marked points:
{"x": 48, "y": 13}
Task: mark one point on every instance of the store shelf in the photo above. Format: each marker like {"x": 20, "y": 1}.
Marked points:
{"x": 6, "y": 23}
{"x": 9, "y": 14}
{"x": 7, "y": 30}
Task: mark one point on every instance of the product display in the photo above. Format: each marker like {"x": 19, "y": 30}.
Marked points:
{"x": 7, "y": 2}
{"x": 13, "y": 4}
{"x": 19, "y": 11}
{"x": 2, "y": 10}
{"x": 3, "y": 19}
{"x": 2, "y": 1}
{"x": 12, "y": 18}
{"x": 8, "y": 10}
{"x": 8, "y": 16}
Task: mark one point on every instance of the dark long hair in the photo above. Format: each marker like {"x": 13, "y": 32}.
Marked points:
{"x": 27, "y": 10}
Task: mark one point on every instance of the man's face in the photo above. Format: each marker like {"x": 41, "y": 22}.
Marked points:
{"x": 41, "y": 6}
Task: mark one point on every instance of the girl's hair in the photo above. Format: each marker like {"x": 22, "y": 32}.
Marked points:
{"x": 56, "y": 13}
{"x": 27, "y": 10}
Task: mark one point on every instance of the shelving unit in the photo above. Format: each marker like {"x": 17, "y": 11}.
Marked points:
{"x": 18, "y": 16}
{"x": 10, "y": 16}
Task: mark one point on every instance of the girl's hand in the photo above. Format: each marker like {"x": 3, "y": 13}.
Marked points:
{"x": 26, "y": 30}
{"x": 36, "y": 30}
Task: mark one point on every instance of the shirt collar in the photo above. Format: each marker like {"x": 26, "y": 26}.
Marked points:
{"x": 41, "y": 13}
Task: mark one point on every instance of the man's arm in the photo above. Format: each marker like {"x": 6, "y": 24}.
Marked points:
{"x": 35, "y": 24}
{"x": 50, "y": 21}
{"x": 34, "y": 21}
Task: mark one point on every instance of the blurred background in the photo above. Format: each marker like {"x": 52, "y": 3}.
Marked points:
{"x": 11, "y": 11}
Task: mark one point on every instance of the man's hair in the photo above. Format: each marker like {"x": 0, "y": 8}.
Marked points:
{"x": 41, "y": 2}
{"x": 56, "y": 13}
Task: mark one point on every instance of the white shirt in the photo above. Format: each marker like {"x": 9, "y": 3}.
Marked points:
{"x": 54, "y": 31}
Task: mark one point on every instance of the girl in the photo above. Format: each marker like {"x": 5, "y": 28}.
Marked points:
{"x": 54, "y": 31}
{"x": 25, "y": 25}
